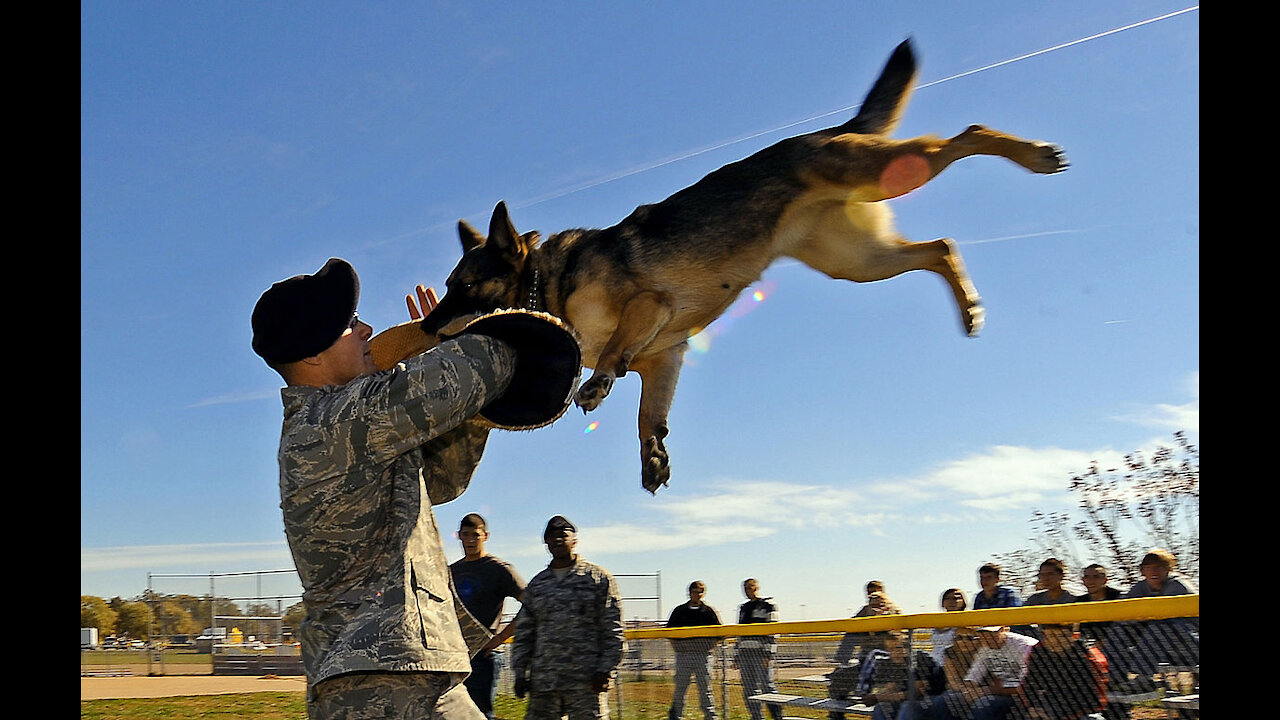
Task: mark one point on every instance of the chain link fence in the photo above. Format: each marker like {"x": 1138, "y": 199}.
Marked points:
{"x": 1106, "y": 660}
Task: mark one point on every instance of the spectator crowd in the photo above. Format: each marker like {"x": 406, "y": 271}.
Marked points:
{"x": 1024, "y": 672}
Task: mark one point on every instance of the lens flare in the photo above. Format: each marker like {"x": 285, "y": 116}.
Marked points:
{"x": 591, "y": 427}
{"x": 700, "y": 339}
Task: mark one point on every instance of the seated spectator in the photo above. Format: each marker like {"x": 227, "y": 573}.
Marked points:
{"x": 1094, "y": 579}
{"x": 884, "y": 684}
{"x": 1065, "y": 680}
{"x": 958, "y": 657}
{"x": 952, "y": 601}
{"x": 995, "y": 595}
{"x": 878, "y": 602}
{"x": 989, "y": 689}
{"x": 1049, "y": 580}
{"x": 1052, "y": 573}
{"x": 992, "y": 594}
{"x": 855, "y": 646}
{"x": 1173, "y": 640}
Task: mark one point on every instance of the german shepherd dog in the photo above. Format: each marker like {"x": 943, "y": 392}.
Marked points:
{"x": 635, "y": 292}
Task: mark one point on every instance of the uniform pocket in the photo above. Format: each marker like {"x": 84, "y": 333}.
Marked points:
{"x": 432, "y": 609}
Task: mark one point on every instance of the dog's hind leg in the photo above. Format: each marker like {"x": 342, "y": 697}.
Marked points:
{"x": 858, "y": 243}
{"x": 1036, "y": 156}
{"x": 658, "y": 374}
{"x": 642, "y": 317}
{"x": 876, "y": 168}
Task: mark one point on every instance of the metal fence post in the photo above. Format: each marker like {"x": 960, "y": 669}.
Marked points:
{"x": 617, "y": 694}
{"x": 724, "y": 680}
{"x": 911, "y": 670}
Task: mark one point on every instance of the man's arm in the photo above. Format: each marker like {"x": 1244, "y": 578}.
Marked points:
{"x": 610, "y": 635}
{"x": 512, "y": 587}
{"x": 433, "y": 393}
{"x": 522, "y": 646}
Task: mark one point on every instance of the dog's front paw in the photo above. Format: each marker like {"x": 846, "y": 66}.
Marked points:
{"x": 1051, "y": 159}
{"x": 656, "y": 468}
{"x": 593, "y": 392}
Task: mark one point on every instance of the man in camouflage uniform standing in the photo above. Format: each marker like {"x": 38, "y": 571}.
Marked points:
{"x": 568, "y": 639}
{"x": 363, "y": 456}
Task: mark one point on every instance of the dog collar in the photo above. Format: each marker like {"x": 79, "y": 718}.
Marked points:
{"x": 532, "y": 303}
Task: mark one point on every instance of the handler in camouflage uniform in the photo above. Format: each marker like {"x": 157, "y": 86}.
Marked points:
{"x": 568, "y": 639}
{"x": 363, "y": 456}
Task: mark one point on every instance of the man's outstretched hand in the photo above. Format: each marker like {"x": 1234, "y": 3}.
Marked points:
{"x": 426, "y": 302}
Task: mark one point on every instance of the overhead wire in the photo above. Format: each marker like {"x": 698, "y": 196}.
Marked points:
{"x": 839, "y": 111}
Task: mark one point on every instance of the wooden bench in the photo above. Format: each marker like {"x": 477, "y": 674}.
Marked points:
{"x": 1134, "y": 699}
{"x": 851, "y": 706}
{"x": 1182, "y": 705}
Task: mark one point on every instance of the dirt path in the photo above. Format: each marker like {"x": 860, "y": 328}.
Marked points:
{"x": 99, "y": 688}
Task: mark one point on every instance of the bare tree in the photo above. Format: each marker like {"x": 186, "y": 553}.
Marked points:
{"x": 1120, "y": 513}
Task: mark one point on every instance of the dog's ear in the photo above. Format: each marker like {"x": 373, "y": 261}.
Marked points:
{"x": 470, "y": 237}
{"x": 504, "y": 238}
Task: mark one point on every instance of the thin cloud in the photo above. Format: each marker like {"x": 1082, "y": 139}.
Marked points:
{"x": 186, "y": 556}
{"x": 241, "y": 396}
{"x": 1171, "y": 416}
{"x": 1007, "y": 471}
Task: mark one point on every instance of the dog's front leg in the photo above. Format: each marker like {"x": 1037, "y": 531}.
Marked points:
{"x": 641, "y": 319}
{"x": 658, "y": 375}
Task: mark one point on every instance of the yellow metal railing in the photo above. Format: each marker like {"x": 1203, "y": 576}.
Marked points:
{"x": 1179, "y": 606}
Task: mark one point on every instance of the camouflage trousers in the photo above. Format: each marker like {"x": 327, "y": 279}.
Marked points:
{"x": 578, "y": 703}
{"x": 395, "y": 696}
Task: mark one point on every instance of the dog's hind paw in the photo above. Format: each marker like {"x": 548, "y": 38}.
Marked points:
{"x": 1052, "y": 159}
{"x": 657, "y": 468}
{"x": 593, "y": 392}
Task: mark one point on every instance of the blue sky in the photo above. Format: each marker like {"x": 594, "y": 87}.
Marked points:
{"x": 825, "y": 435}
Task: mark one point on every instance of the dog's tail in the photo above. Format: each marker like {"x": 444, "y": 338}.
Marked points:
{"x": 883, "y": 107}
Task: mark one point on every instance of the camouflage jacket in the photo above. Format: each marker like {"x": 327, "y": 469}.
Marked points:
{"x": 568, "y": 628}
{"x": 360, "y": 467}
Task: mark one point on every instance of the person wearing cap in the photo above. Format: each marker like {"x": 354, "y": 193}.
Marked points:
{"x": 569, "y": 634}
{"x": 993, "y": 681}
{"x": 365, "y": 451}
{"x": 484, "y": 582}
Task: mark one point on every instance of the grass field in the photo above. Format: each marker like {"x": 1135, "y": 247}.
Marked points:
{"x": 243, "y": 706}
{"x": 642, "y": 701}
{"x": 249, "y": 706}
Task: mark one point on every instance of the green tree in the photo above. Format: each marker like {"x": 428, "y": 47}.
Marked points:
{"x": 173, "y": 619}
{"x": 135, "y": 618}
{"x": 293, "y": 618}
{"x": 96, "y": 613}
{"x": 263, "y": 629}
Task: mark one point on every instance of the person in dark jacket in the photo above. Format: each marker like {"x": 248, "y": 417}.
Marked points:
{"x": 693, "y": 655}
{"x": 753, "y": 654}
{"x": 1065, "y": 680}
{"x": 884, "y": 684}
